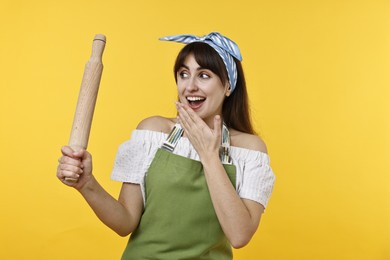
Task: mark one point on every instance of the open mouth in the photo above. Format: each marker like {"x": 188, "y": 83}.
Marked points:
{"x": 195, "y": 102}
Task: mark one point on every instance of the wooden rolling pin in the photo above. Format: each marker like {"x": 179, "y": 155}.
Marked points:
{"x": 87, "y": 97}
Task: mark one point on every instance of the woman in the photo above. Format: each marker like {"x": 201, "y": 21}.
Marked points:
{"x": 194, "y": 185}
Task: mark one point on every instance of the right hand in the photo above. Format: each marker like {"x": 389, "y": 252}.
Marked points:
{"x": 74, "y": 168}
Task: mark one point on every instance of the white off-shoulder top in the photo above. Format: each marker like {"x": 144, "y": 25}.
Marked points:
{"x": 254, "y": 176}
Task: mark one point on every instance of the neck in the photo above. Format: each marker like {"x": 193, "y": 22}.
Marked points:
{"x": 210, "y": 121}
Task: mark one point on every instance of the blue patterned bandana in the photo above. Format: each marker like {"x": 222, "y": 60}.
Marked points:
{"x": 225, "y": 47}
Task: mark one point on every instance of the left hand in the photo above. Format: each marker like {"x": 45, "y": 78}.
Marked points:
{"x": 205, "y": 140}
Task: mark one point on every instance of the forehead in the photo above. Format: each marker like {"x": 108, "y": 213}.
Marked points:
{"x": 190, "y": 61}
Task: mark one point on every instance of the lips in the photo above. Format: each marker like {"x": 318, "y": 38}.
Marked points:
{"x": 195, "y": 102}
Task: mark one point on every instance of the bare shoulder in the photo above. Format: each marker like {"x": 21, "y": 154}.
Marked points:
{"x": 247, "y": 141}
{"x": 157, "y": 123}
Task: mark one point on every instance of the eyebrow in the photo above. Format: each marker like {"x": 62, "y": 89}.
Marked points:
{"x": 186, "y": 67}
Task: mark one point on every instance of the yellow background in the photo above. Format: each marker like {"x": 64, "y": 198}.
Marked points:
{"x": 318, "y": 78}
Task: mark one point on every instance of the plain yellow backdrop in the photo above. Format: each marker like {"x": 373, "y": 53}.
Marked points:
{"x": 318, "y": 79}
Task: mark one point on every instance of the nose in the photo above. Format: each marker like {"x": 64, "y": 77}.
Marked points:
{"x": 192, "y": 84}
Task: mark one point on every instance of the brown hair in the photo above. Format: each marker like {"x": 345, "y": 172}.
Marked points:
{"x": 235, "y": 108}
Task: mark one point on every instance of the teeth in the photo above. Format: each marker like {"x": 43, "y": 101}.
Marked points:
{"x": 195, "y": 98}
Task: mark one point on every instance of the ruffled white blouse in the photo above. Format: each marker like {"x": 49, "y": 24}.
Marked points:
{"x": 254, "y": 176}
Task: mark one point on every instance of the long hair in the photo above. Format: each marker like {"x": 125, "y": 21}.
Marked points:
{"x": 235, "y": 108}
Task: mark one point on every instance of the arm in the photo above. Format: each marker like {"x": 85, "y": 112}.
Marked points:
{"x": 120, "y": 215}
{"x": 239, "y": 218}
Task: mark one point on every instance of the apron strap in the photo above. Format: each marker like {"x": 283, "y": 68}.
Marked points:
{"x": 177, "y": 132}
{"x": 173, "y": 138}
{"x": 224, "y": 151}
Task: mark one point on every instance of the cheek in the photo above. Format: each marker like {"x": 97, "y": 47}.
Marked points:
{"x": 180, "y": 91}
{"x": 219, "y": 92}
{"x": 179, "y": 87}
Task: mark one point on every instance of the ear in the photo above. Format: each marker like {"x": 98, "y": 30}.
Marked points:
{"x": 228, "y": 90}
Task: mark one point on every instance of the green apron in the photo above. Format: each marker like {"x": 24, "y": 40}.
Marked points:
{"x": 179, "y": 221}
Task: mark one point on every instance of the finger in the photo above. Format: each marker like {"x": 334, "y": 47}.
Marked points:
{"x": 70, "y": 181}
{"x": 218, "y": 125}
{"x": 184, "y": 113}
{"x": 69, "y": 174}
{"x": 191, "y": 114}
{"x": 70, "y": 161}
{"x": 67, "y": 150}
{"x": 190, "y": 120}
{"x": 183, "y": 117}
{"x": 181, "y": 112}
{"x": 80, "y": 154}
{"x": 183, "y": 121}
{"x": 70, "y": 168}
{"x": 65, "y": 174}
{"x": 188, "y": 125}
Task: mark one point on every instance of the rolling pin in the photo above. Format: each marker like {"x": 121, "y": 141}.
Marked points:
{"x": 82, "y": 119}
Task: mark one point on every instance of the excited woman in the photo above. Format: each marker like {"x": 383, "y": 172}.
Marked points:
{"x": 193, "y": 185}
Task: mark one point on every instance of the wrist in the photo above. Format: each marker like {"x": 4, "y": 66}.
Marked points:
{"x": 210, "y": 159}
{"x": 89, "y": 185}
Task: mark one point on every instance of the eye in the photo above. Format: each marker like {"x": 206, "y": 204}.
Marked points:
{"x": 183, "y": 74}
{"x": 204, "y": 75}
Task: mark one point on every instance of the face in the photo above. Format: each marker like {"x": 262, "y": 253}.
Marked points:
{"x": 201, "y": 89}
